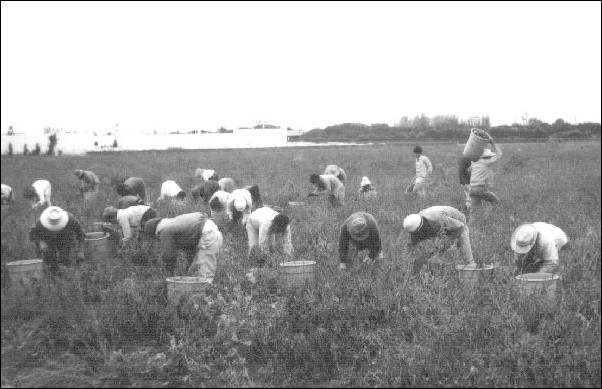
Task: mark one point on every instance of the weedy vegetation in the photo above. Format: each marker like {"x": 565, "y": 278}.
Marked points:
{"x": 108, "y": 323}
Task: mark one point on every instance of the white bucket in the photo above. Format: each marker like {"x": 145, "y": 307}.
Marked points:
{"x": 178, "y": 287}
{"x": 26, "y": 272}
{"x": 296, "y": 273}
{"x": 475, "y": 145}
{"x": 472, "y": 275}
{"x": 530, "y": 284}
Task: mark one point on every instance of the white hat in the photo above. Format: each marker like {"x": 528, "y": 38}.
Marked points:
{"x": 365, "y": 181}
{"x": 523, "y": 238}
{"x": 487, "y": 154}
{"x": 412, "y": 223}
{"x": 358, "y": 227}
{"x": 54, "y": 218}
{"x": 240, "y": 204}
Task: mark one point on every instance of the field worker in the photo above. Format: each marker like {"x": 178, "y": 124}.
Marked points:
{"x": 129, "y": 201}
{"x": 226, "y": 184}
{"x": 133, "y": 186}
{"x": 170, "y": 190}
{"x": 206, "y": 174}
{"x": 204, "y": 190}
{"x": 536, "y": 247}
{"x": 7, "y": 194}
{"x": 337, "y": 172}
{"x": 361, "y": 230}
{"x": 481, "y": 177}
{"x": 424, "y": 169}
{"x": 195, "y": 234}
{"x": 327, "y": 184}
{"x": 57, "y": 237}
{"x": 431, "y": 222}
{"x": 88, "y": 184}
{"x": 38, "y": 194}
{"x": 464, "y": 177}
{"x": 130, "y": 219}
{"x": 264, "y": 226}
{"x": 218, "y": 202}
{"x": 240, "y": 205}
{"x": 366, "y": 187}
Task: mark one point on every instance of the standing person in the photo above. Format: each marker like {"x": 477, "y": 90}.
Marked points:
{"x": 133, "y": 186}
{"x": 226, "y": 184}
{"x": 366, "y": 188}
{"x": 361, "y": 230}
{"x": 206, "y": 174}
{"x": 327, "y": 184}
{"x": 424, "y": 169}
{"x": 170, "y": 190}
{"x": 264, "y": 226}
{"x": 7, "y": 194}
{"x": 430, "y": 222}
{"x": 129, "y": 201}
{"x": 536, "y": 247}
{"x": 464, "y": 178}
{"x": 193, "y": 233}
{"x": 130, "y": 219}
{"x": 337, "y": 172}
{"x": 58, "y": 236}
{"x": 88, "y": 184}
{"x": 481, "y": 178}
{"x": 204, "y": 190}
{"x": 38, "y": 194}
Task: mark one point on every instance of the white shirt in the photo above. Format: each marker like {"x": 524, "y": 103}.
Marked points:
{"x": 550, "y": 239}
{"x": 244, "y": 196}
{"x": 6, "y": 193}
{"x": 222, "y": 197}
{"x": 43, "y": 189}
{"x": 130, "y": 217}
{"x": 423, "y": 167}
{"x": 260, "y": 221}
{"x": 205, "y": 174}
{"x": 169, "y": 189}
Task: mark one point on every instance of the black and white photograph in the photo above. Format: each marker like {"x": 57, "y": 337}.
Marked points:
{"x": 300, "y": 194}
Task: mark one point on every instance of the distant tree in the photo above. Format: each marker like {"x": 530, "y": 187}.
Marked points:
{"x": 37, "y": 150}
{"x": 25, "y": 149}
{"x": 421, "y": 122}
{"x": 52, "y": 141}
{"x": 405, "y": 122}
{"x": 10, "y": 149}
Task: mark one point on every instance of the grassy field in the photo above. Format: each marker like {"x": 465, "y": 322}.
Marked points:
{"x": 108, "y": 323}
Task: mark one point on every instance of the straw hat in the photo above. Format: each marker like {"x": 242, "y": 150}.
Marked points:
{"x": 412, "y": 223}
{"x": 487, "y": 153}
{"x": 54, "y": 218}
{"x": 523, "y": 238}
{"x": 240, "y": 204}
{"x": 358, "y": 228}
{"x": 365, "y": 181}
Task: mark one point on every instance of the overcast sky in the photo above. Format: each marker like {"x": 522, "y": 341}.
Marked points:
{"x": 201, "y": 65}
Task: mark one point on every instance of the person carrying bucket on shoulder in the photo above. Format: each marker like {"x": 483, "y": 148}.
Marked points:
{"x": 360, "y": 230}
{"x": 424, "y": 169}
{"x": 58, "y": 236}
{"x": 536, "y": 246}
{"x": 433, "y": 221}
{"x": 481, "y": 177}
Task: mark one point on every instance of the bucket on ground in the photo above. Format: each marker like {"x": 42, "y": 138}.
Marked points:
{"x": 25, "y": 273}
{"x": 537, "y": 284}
{"x": 296, "y": 273}
{"x": 472, "y": 275}
{"x": 180, "y": 286}
{"x": 475, "y": 145}
{"x": 97, "y": 246}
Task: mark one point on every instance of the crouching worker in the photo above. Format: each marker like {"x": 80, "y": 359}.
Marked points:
{"x": 133, "y": 186}
{"x": 241, "y": 202}
{"x": 194, "y": 234}
{"x": 171, "y": 190}
{"x": 264, "y": 226}
{"x": 327, "y": 184}
{"x": 337, "y": 172}
{"x": 58, "y": 236}
{"x": 38, "y": 194}
{"x": 88, "y": 184}
{"x": 361, "y": 230}
{"x": 431, "y": 222}
{"x": 204, "y": 191}
{"x": 7, "y": 194}
{"x": 130, "y": 220}
{"x": 536, "y": 247}
{"x": 366, "y": 188}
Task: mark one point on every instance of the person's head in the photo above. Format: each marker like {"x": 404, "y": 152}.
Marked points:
{"x": 121, "y": 189}
{"x": 314, "y": 178}
{"x": 487, "y": 153}
{"x": 54, "y": 219}
{"x": 417, "y": 151}
{"x": 181, "y": 195}
{"x": 78, "y": 173}
{"x": 31, "y": 195}
{"x": 358, "y": 227}
{"x": 523, "y": 239}
{"x": 150, "y": 227}
{"x": 109, "y": 214}
{"x": 412, "y": 223}
{"x": 279, "y": 224}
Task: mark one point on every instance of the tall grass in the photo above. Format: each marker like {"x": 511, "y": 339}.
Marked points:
{"x": 109, "y": 323}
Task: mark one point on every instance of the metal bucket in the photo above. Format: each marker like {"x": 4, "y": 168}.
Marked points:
{"x": 178, "y": 287}
{"x": 296, "y": 273}
{"x": 97, "y": 246}
{"x": 472, "y": 275}
{"x": 475, "y": 145}
{"x": 25, "y": 273}
{"x": 530, "y": 284}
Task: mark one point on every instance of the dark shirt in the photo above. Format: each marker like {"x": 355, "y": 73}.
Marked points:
{"x": 371, "y": 243}
{"x": 134, "y": 186}
{"x": 205, "y": 190}
{"x": 463, "y": 170}
{"x": 58, "y": 239}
